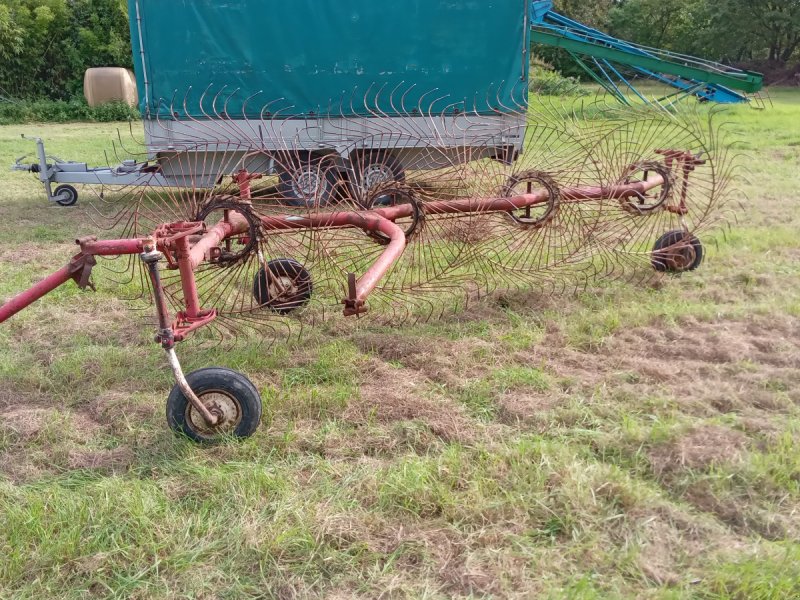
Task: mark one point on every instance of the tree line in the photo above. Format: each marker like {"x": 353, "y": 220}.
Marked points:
{"x": 730, "y": 31}
{"x": 46, "y": 45}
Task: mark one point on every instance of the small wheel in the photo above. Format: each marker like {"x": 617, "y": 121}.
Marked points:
{"x": 66, "y": 195}
{"x": 643, "y": 204}
{"x": 528, "y": 182}
{"x": 375, "y": 169}
{"x": 677, "y": 252}
{"x": 283, "y": 286}
{"x": 228, "y": 394}
{"x": 309, "y": 184}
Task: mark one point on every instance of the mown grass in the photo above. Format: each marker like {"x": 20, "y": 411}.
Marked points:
{"x": 625, "y": 442}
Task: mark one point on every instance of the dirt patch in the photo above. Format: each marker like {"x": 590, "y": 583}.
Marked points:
{"x": 392, "y": 347}
{"x": 711, "y": 368}
{"x": 740, "y": 515}
{"x": 109, "y": 322}
{"x": 462, "y": 566}
{"x": 12, "y": 398}
{"x": 32, "y": 253}
{"x": 114, "y": 408}
{"x": 657, "y": 559}
{"x": 761, "y": 426}
{"x": 342, "y": 530}
{"x": 701, "y": 448}
{"x": 41, "y": 439}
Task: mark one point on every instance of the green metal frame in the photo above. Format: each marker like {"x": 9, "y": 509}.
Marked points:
{"x": 745, "y": 81}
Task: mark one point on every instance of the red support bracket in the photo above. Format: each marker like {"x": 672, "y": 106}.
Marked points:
{"x": 687, "y": 162}
{"x": 184, "y": 325}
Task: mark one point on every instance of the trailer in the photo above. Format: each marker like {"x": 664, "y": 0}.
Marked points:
{"x": 363, "y": 87}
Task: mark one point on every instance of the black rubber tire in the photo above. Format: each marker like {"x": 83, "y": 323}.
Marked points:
{"x": 677, "y": 252}
{"x": 215, "y": 379}
{"x": 364, "y": 160}
{"x": 70, "y": 192}
{"x": 290, "y": 196}
{"x": 284, "y": 267}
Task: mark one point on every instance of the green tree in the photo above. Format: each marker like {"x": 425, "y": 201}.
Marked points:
{"x": 46, "y": 45}
{"x": 768, "y": 29}
{"x": 727, "y": 30}
{"x": 595, "y": 13}
{"x": 683, "y": 26}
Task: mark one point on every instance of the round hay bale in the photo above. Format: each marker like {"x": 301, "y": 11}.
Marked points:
{"x": 108, "y": 84}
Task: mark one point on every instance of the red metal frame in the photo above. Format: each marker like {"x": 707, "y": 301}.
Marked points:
{"x": 187, "y": 245}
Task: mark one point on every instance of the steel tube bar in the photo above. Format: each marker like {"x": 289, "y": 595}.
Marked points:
{"x": 112, "y": 247}
{"x": 235, "y": 225}
{"x": 188, "y": 283}
{"x": 190, "y": 256}
{"x": 28, "y": 297}
{"x": 397, "y": 245}
{"x": 183, "y": 384}
{"x": 466, "y": 206}
{"x": 368, "y": 221}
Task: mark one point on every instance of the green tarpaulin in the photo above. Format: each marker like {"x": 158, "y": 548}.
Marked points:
{"x": 309, "y": 57}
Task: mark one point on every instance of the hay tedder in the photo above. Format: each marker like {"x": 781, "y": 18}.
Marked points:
{"x": 243, "y": 219}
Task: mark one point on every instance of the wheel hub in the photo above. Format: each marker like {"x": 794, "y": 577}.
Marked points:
{"x": 233, "y": 251}
{"x": 682, "y": 257}
{"x": 376, "y": 174}
{"x": 307, "y": 183}
{"x": 541, "y": 215}
{"x": 642, "y": 204}
{"x": 222, "y": 406}
{"x": 282, "y": 287}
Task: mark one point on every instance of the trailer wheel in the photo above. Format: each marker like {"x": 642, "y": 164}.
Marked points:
{"x": 677, "y": 251}
{"x": 309, "y": 184}
{"x": 227, "y": 394}
{"x": 375, "y": 169}
{"x": 66, "y": 195}
{"x": 283, "y": 286}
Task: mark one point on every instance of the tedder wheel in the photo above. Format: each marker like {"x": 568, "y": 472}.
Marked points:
{"x": 643, "y": 204}
{"x": 394, "y": 194}
{"x": 528, "y": 182}
{"x": 677, "y": 252}
{"x": 66, "y": 194}
{"x": 283, "y": 286}
{"x": 308, "y": 184}
{"x": 228, "y": 394}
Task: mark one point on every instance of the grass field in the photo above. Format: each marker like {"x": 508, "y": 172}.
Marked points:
{"x": 628, "y": 442}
